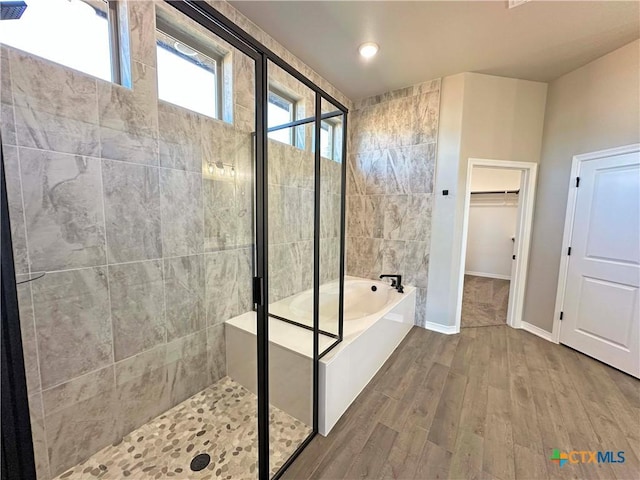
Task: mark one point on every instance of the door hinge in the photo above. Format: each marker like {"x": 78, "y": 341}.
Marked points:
{"x": 257, "y": 290}
{"x": 569, "y": 251}
{"x": 577, "y": 182}
{"x": 561, "y": 315}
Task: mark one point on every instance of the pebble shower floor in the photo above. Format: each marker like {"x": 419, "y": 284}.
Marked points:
{"x": 220, "y": 421}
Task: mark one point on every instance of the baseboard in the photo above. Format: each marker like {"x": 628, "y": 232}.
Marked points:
{"x": 489, "y": 275}
{"x": 537, "y": 331}
{"x": 446, "y": 329}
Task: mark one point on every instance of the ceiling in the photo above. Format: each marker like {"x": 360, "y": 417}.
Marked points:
{"x": 539, "y": 40}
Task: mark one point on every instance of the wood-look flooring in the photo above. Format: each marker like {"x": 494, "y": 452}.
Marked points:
{"x": 484, "y": 301}
{"x": 489, "y": 403}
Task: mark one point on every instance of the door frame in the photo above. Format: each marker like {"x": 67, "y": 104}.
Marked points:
{"x": 568, "y": 225}
{"x": 523, "y": 235}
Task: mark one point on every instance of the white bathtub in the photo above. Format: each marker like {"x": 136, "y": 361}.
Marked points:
{"x": 375, "y": 322}
{"x": 374, "y": 325}
{"x": 360, "y": 302}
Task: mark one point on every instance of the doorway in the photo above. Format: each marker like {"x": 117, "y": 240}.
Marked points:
{"x": 491, "y": 233}
{"x": 597, "y": 309}
{"x": 498, "y": 212}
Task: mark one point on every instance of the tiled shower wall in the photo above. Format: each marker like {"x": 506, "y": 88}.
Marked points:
{"x": 291, "y": 220}
{"x": 392, "y": 157}
{"x": 291, "y": 201}
{"x": 146, "y": 252}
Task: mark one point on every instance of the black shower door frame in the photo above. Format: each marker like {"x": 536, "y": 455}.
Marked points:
{"x": 17, "y": 445}
{"x": 205, "y": 15}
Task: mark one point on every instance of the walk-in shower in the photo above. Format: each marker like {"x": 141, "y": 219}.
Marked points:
{"x": 167, "y": 226}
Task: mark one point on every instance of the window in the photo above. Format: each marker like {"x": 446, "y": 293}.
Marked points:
{"x": 189, "y": 73}
{"x": 331, "y": 139}
{"x": 281, "y": 110}
{"x": 80, "y": 34}
{"x": 326, "y": 139}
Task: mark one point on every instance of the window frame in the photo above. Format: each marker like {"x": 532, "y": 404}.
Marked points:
{"x": 115, "y": 42}
{"x": 331, "y": 128}
{"x": 335, "y": 152}
{"x": 293, "y": 137}
{"x": 218, "y": 57}
{"x": 114, "y": 12}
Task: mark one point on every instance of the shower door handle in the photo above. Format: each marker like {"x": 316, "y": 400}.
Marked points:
{"x": 258, "y": 291}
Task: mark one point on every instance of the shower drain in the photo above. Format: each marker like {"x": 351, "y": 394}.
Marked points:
{"x": 200, "y": 462}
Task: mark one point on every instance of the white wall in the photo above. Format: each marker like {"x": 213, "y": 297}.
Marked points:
{"x": 491, "y": 179}
{"x": 481, "y": 116}
{"x": 441, "y": 289}
{"x": 492, "y": 223}
{"x": 592, "y": 108}
{"x": 489, "y": 244}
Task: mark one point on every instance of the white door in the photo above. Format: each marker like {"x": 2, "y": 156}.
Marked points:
{"x": 600, "y": 308}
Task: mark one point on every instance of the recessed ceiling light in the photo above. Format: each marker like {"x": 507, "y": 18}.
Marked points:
{"x": 368, "y": 50}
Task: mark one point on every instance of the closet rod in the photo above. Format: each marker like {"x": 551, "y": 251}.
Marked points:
{"x": 496, "y": 192}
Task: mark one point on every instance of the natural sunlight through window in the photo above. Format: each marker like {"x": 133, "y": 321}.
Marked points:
{"x": 74, "y": 33}
{"x": 326, "y": 140}
{"x": 331, "y": 139}
{"x": 187, "y": 77}
{"x": 281, "y": 110}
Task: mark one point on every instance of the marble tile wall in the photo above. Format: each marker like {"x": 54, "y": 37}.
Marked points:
{"x": 291, "y": 200}
{"x": 390, "y": 174}
{"x": 110, "y": 202}
{"x": 146, "y": 253}
{"x": 291, "y": 220}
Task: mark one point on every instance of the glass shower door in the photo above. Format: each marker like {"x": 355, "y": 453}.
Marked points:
{"x": 225, "y": 441}
{"x": 330, "y": 239}
{"x": 290, "y": 217}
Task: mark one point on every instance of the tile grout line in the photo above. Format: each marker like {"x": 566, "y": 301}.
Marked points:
{"x": 29, "y": 268}
{"x": 205, "y": 306}
{"x": 34, "y": 323}
{"x": 149, "y": 165}
{"x": 106, "y": 244}
{"x": 93, "y": 157}
{"x": 129, "y": 358}
{"x": 164, "y": 269}
{"x": 162, "y": 243}
{"x": 104, "y": 265}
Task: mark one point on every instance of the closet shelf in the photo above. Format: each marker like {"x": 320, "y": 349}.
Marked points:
{"x": 494, "y": 192}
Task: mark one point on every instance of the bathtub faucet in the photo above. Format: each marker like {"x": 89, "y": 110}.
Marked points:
{"x": 396, "y": 282}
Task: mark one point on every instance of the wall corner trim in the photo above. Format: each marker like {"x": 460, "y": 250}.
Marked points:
{"x": 538, "y": 331}
{"x": 446, "y": 329}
